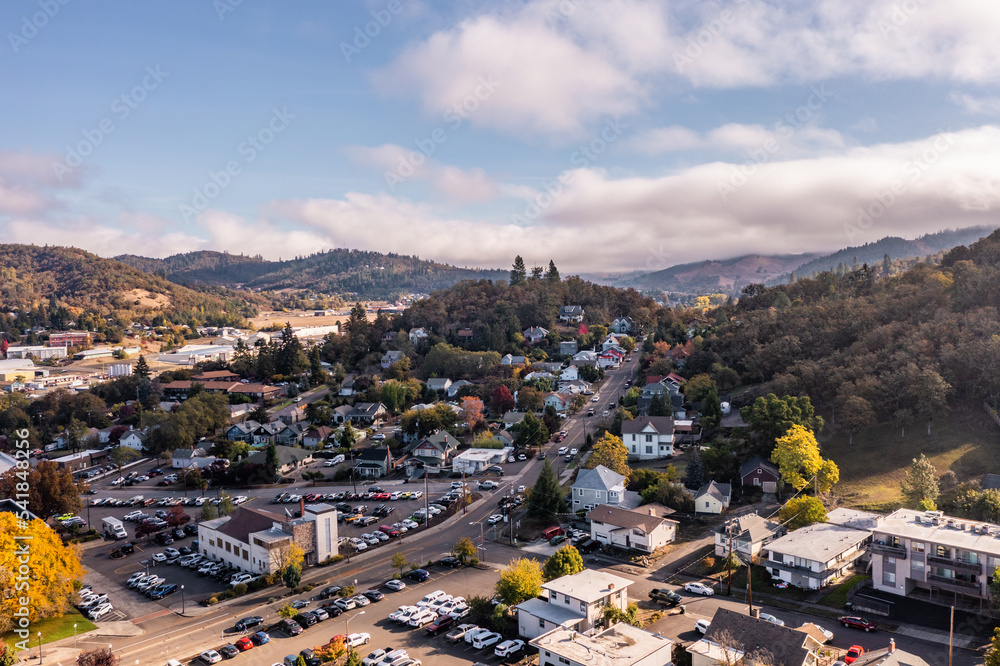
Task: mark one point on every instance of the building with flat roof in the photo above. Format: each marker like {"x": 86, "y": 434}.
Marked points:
{"x": 621, "y": 644}
{"x": 572, "y": 602}
{"x": 814, "y": 556}
{"x": 927, "y": 550}
{"x": 476, "y": 460}
{"x": 36, "y": 351}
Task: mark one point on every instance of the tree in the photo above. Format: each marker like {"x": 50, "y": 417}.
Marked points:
{"x": 546, "y": 498}
{"x": 801, "y": 511}
{"x": 660, "y": 406}
{"x": 694, "y": 472}
{"x": 292, "y": 576}
{"x": 920, "y": 484}
{"x": 520, "y": 581}
{"x": 993, "y": 654}
{"x": 465, "y": 550}
{"x": 123, "y": 455}
{"x": 49, "y": 587}
{"x": 530, "y": 432}
{"x": 259, "y": 414}
{"x": 288, "y": 611}
{"x": 176, "y": 516}
{"x": 399, "y": 562}
{"x": 552, "y": 275}
{"x": 501, "y": 401}
{"x": 208, "y": 511}
{"x": 271, "y": 458}
{"x": 7, "y": 655}
{"x": 799, "y": 461}
{"x": 353, "y": 658}
{"x": 711, "y": 409}
{"x": 857, "y": 415}
{"x": 51, "y": 491}
{"x": 518, "y": 274}
{"x": 770, "y": 417}
{"x": 471, "y": 411}
{"x": 97, "y": 657}
{"x": 316, "y": 373}
{"x": 696, "y": 388}
{"x": 347, "y": 436}
{"x": 141, "y": 369}
{"x": 610, "y": 452}
{"x": 225, "y": 505}
{"x": 564, "y": 562}
{"x": 613, "y": 615}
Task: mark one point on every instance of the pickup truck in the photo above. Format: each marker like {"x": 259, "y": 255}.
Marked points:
{"x": 665, "y": 596}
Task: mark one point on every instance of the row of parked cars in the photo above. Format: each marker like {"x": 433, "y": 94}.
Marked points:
{"x": 94, "y": 605}
{"x": 151, "y": 585}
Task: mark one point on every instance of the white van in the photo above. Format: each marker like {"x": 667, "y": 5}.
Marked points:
{"x": 431, "y": 598}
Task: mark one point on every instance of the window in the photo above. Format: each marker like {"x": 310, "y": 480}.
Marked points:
{"x": 563, "y": 660}
{"x": 583, "y": 606}
{"x": 756, "y": 481}
{"x": 649, "y": 450}
{"x": 917, "y": 566}
{"x": 942, "y": 551}
{"x": 541, "y": 625}
{"x": 229, "y": 547}
{"x": 917, "y": 546}
{"x": 246, "y": 555}
{"x": 579, "y": 492}
{"x": 890, "y": 560}
{"x": 706, "y": 504}
{"x": 888, "y": 578}
{"x": 638, "y": 533}
{"x": 649, "y": 438}
{"x": 567, "y": 599}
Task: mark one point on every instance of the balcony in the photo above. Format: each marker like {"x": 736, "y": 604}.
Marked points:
{"x": 954, "y": 583}
{"x": 955, "y": 564}
{"x": 885, "y": 549}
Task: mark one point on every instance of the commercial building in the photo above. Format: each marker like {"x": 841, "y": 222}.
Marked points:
{"x": 25, "y": 368}
{"x": 36, "y": 351}
{"x": 574, "y": 602}
{"x": 621, "y": 645}
{"x": 69, "y": 339}
{"x": 476, "y": 460}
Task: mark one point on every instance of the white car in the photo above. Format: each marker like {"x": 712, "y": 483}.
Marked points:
{"x": 397, "y": 615}
{"x": 699, "y": 588}
{"x": 437, "y": 604}
{"x": 410, "y": 524}
{"x": 460, "y": 611}
{"x": 450, "y": 605}
{"x": 359, "y": 544}
{"x": 767, "y": 617}
{"x": 521, "y": 489}
{"x": 131, "y": 515}
{"x": 594, "y": 399}
{"x": 495, "y": 518}
{"x": 376, "y": 656}
{"x": 432, "y": 597}
{"x": 508, "y": 648}
{"x": 701, "y": 626}
{"x": 563, "y": 450}
{"x": 134, "y": 577}
{"x": 370, "y": 539}
{"x": 159, "y": 557}
{"x": 354, "y": 640}
{"x": 329, "y": 463}
{"x": 240, "y": 578}
{"x": 471, "y": 634}
{"x": 100, "y": 611}
{"x": 240, "y": 499}
{"x": 573, "y": 452}
{"x": 395, "y": 585}
{"x": 457, "y": 484}
{"x": 396, "y": 495}
{"x": 485, "y": 640}
{"x": 422, "y": 618}
{"x": 210, "y": 657}
{"x": 362, "y": 601}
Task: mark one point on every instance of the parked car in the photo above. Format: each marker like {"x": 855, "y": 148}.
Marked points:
{"x": 508, "y": 648}
{"x": 362, "y": 638}
{"x": 701, "y": 626}
{"x": 853, "y": 654}
{"x": 260, "y": 638}
{"x": 418, "y": 575}
{"x": 229, "y": 651}
{"x": 373, "y": 595}
{"x": 772, "y": 619}
{"x": 330, "y": 591}
{"x": 855, "y": 622}
{"x": 395, "y": 585}
{"x": 244, "y": 644}
{"x": 486, "y": 640}
{"x": 210, "y": 657}
{"x": 665, "y": 596}
{"x": 290, "y": 627}
{"x": 458, "y": 633}
{"x": 698, "y": 588}
{"x": 450, "y": 562}
{"x": 440, "y": 624}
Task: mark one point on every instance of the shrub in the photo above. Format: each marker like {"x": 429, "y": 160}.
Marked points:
{"x": 212, "y": 601}
{"x": 348, "y": 591}
{"x": 709, "y": 563}
{"x": 239, "y": 589}
{"x": 308, "y": 587}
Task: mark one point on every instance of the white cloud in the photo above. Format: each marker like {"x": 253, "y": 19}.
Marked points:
{"x": 989, "y": 106}
{"x": 782, "y": 139}
{"x": 450, "y": 182}
{"x": 100, "y": 237}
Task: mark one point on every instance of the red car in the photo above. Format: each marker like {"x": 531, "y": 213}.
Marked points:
{"x": 339, "y": 638}
{"x": 853, "y": 654}
{"x": 856, "y": 622}
{"x": 244, "y": 644}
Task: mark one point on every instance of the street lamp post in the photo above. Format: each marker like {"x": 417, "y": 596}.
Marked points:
{"x": 74, "y": 635}
{"x": 39, "y": 647}
{"x": 347, "y": 626}
{"x": 183, "y": 601}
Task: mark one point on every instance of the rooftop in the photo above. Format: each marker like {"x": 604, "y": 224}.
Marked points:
{"x": 860, "y": 520}
{"x": 622, "y": 644}
{"x": 647, "y": 517}
{"x": 588, "y": 585}
{"x": 911, "y": 524}
{"x": 820, "y": 542}
{"x": 599, "y": 478}
{"x": 553, "y": 613}
{"x": 663, "y": 425}
{"x": 783, "y": 645}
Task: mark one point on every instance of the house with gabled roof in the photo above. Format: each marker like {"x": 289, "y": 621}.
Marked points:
{"x": 390, "y": 357}
{"x": 749, "y": 532}
{"x": 510, "y": 359}
{"x": 559, "y": 401}
{"x": 347, "y": 388}
{"x": 571, "y": 313}
{"x": 597, "y": 486}
{"x": 649, "y": 437}
{"x": 436, "y": 449}
{"x": 534, "y": 335}
{"x": 739, "y": 638}
{"x": 368, "y": 413}
{"x": 289, "y": 458}
{"x": 645, "y": 529}
{"x": 439, "y": 384}
{"x": 418, "y": 336}
{"x": 568, "y": 347}
{"x": 574, "y": 602}
{"x": 713, "y": 498}
{"x": 759, "y": 472}
{"x": 455, "y": 387}
{"x": 316, "y": 436}
{"x": 373, "y": 462}
{"x": 622, "y": 325}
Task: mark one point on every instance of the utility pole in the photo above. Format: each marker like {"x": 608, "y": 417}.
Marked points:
{"x": 729, "y": 581}
{"x": 750, "y": 586}
{"x": 465, "y": 495}
{"x": 951, "y": 635}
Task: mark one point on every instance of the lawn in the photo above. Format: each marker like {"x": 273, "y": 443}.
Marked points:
{"x": 838, "y": 597}
{"x": 872, "y": 468}
{"x": 55, "y": 628}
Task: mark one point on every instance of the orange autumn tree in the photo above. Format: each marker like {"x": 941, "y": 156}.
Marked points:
{"x": 50, "y": 570}
{"x": 472, "y": 411}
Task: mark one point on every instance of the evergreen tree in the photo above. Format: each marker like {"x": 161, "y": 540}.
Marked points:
{"x": 315, "y": 366}
{"x": 289, "y": 356}
{"x": 518, "y": 273}
{"x": 711, "y": 409}
{"x": 920, "y": 486}
{"x": 271, "y": 459}
{"x": 546, "y": 499}
{"x": 694, "y": 473}
{"x": 659, "y": 406}
{"x": 537, "y": 272}
{"x": 141, "y": 369}
{"x": 552, "y": 275}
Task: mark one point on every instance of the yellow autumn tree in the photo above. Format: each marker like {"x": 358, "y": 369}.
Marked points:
{"x": 799, "y": 461}
{"x": 610, "y": 452}
{"x": 38, "y": 568}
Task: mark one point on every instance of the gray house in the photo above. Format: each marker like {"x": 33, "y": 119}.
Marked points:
{"x": 597, "y": 486}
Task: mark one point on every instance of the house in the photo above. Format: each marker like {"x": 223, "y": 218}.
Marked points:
{"x": 388, "y": 337}
{"x": 242, "y": 432}
{"x": 739, "y": 638}
{"x": 750, "y": 533}
{"x": 368, "y": 413}
{"x": 317, "y": 436}
{"x": 512, "y": 419}
{"x": 134, "y": 439}
{"x": 609, "y": 359}
{"x": 814, "y": 556}
{"x": 438, "y": 384}
{"x": 342, "y": 414}
{"x": 575, "y": 602}
{"x": 216, "y": 376}
{"x": 569, "y": 374}
{"x": 889, "y": 656}
{"x": 264, "y": 434}
{"x": 621, "y": 644}
{"x": 680, "y": 353}
{"x": 289, "y": 458}
{"x": 184, "y": 458}
{"x": 347, "y": 388}
{"x": 7, "y": 463}
{"x": 391, "y": 357}
{"x": 457, "y": 386}
{"x": 649, "y": 437}
{"x": 509, "y": 359}
{"x": 597, "y": 486}
{"x": 584, "y": 357}
{"x": 435, "y": 449}
{"x": 660, "y": 388}
{"x": 472, "y": 461}
{"x": 571, "y": 313}
{"x": 539, "y": 374}
{"x": 239, "y": 411}
{"x": 759, "y": 472}
{"x": 712, "y": 498}
{"x": 612, "y": 341}
{"x": 676, "y": 380}
{"x": 418, "y": 336}
{"x": 373, "y": 462}
{"x": 464, "y": 334}
{"x": 646, "y": 529}
{"x": 573, "y": 386}
{"x": 622, "y": 325}
{"x": 289, "y": 434}
{"x": 559, "y": 401}
{"x": 534, "y": 335}
{"x": 931, "y": 552}
{"x": 258, "y": 541}
{"x": 504, "y": 438}
{"x": 568, "y": 347}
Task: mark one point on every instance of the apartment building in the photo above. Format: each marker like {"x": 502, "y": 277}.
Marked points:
{"x": 573, "y": 602}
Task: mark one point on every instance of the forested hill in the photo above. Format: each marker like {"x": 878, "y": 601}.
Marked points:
{"x": 85, "y": 285}
{"x": 370, "y": 275}
{"x": 868, "y": 347}
{"x": 893, "y": 247}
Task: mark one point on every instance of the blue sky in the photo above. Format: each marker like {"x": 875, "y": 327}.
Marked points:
{"x": 609, "y": 136}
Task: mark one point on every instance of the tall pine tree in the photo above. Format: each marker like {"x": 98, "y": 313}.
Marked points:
{"x": 141, "y": 369}
{"x": 518, "y": 274}
{"x": 552, "y": 275}
{"x": 546, "y": 499}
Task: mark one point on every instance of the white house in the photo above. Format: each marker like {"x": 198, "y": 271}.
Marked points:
{"x": 455, "y": 387}
{"x": 184, "y": 458}
{"x": 510, "y": 359}
{"x": 417, "y": 336}
{"x": 571, "y": 313}
{"x": 712, "y": 498}
{"x": 439, "y": 384}
{"x": 534, "y": 335}
{"x": 814, "y": 556}
{"x": 574, "y": 602}
{"x": 645, "y": 529}
{"x": 620, "y": 645}
{"x": 649, "y": 437}
{"x": 750, "y": 533}
{"x": 134, "y": 439}
{"x": 569, "y": 374}
{"x": 471, "y": 461}
{"x": 560, "y": 401}
{"x": 597, "y": 486}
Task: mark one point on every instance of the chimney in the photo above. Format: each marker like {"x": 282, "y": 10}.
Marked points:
{"x": 754, "y": 612}
{"x": 892, "y": 645}
{"x": 302, "y": 506}
{"x": 651, "y": 512}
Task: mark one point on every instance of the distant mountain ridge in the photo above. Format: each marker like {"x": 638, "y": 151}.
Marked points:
{"x": 369, "y": 275}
